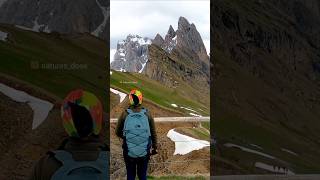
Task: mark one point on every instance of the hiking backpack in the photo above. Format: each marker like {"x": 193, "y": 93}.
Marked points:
{"x": 81, "y": 170}
{"x": 137, "y": 133}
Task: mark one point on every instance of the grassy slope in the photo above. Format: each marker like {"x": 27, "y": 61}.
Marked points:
{"x": 270, "y": 135}
{"x": 25, "y": 47}
{"x": 249, "y": 118}
{"x": 156, "y": 92}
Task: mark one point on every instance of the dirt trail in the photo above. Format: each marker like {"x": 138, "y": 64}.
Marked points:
{"x": 160, "y": 164}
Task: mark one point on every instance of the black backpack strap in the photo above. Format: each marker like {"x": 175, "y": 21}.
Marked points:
{"x": 50, "y": 153}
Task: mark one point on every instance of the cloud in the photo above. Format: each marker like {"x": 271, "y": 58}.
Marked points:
{"x": 147, "y": 18}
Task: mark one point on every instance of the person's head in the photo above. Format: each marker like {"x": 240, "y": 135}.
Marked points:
{"x": 135, "y": 97}
{"x": 81, "y": 112}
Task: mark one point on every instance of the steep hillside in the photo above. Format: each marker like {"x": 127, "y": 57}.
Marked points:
{"x": 157, "y": 94}
{"x": 46, "y": 66}
{"x": 57, "y": 63}
{"x": 266, "y": 79}
{"x": 175, "y": 72}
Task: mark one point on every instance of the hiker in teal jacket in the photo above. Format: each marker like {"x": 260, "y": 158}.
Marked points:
{"x": 82, "y": 155}
{"x": 137, "y": 129}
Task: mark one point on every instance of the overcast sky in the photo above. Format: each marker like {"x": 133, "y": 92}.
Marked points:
{"x": 149, "y": 17}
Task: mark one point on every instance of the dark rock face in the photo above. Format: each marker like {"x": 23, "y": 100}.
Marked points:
{"x": 63, "y": 16}
{"x": 186, "y": 41}
{"x": 181, "y": 57}
{"x": 171, "y": 34}
{"x": 189, "y": 38}
{"x": 158, "y": 40}
{"x": 172, "y": 71}
{"x": 131, "y": 55}
{"x": 266, "y": 68}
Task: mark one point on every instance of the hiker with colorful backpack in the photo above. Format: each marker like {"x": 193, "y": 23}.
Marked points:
{"x": 137, "y": 129}
{"x": 82, "y": 155}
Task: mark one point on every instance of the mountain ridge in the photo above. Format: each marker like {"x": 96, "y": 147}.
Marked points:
{"x": 55, "y": 16}
{"x": 266, "y": 83}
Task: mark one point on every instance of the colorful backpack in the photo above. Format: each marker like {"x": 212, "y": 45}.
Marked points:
{"x": 137, "y": 133}
{"x": 81, "y": 170}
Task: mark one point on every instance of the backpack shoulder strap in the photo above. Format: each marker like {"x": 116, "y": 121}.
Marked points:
{"x": 69, "y": 164}
{"x": 129, "y": 111}
{"x": 143, "y": 110}
{"x": 63, "y": 156}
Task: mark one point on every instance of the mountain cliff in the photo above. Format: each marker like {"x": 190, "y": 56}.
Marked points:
{"x": 63, "y": 16}
{"x": 266, "y": 79}
{"x": 187, "y": 41}
{"x": 131, "y": 54}
{"x": 180, "y": 56}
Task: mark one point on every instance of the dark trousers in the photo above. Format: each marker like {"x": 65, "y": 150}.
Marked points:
{"x": 136, "y": 166}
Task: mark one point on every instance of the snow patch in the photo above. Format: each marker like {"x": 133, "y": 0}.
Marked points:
{"x": 104, "y": 22}
{"x": 46, "y": 29}
{"x": 174, "y": 105}
{"x": 288, "y": 151}
{"x": 249, "y": 150}
{"x": 189, "y": 109}
{"x": 140, "y": 40}
{"x": 196, "y": 115}
{"x": 185, "y": 144}
{"x": 172, "y": 44}
{"x": 36, "y": 27}
{"x": 143, "y": 65}
{"x": 40, "y": 107}
{"x": 24, "y": 28}
{"x": 3, "y": 36}
{"x": 273, "y": 168}
{"x": 121, "y": 94}
{"x": 112, "y": 53}
{"x": 256, "y": 146}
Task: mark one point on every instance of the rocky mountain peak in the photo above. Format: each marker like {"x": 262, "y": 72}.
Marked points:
{"x": 131, "y": 54}
{"x": 183, "y": 24}
{"x": 189, "y": 37}
{"x": 185, "y": 38}
{"x": 171, "y": 33}
{"x": 61, "y": 16}
{"x": 158, "y": 40}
